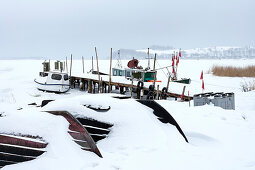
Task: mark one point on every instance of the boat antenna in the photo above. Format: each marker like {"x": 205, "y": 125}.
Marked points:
{"x": 119, "y": 64}
{"x": 148, "y": 58}
{"x": 148, "y": 53}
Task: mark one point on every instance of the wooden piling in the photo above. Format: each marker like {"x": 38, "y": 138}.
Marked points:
{"x": 92, "y": 64}
{"x": 71, "y": 65}
{"x": 101, "y": 87}
{"x": 89, "y": 86}
{"x": 121, "y": 89}
{"x": 110, "y": 74}
{"x": 168, "y": 81}
{"x": 183, "y": 91}
{"x": 157, "y": 96}
{"x": 132, "y": 86}
{"x": 49, "y": 65}
{"x": 154, "y": 67}
{"x": 82, "y": 64}
{"x": 66, "y": 65}
{"x": 94, "y": 87}
{"x": 97, "y": 70}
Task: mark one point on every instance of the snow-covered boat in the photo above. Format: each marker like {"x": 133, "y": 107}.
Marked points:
{"x": 53, "y": 81}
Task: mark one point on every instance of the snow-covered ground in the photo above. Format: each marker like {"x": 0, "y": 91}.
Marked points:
{"x": 219, "y": 139}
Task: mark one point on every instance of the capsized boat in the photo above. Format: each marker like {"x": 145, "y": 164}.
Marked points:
{"x": 53, "y": 81}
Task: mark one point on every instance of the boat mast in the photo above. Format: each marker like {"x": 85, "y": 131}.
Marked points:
{"x": 119, "y": 64}
{"x": 148, "y": 58}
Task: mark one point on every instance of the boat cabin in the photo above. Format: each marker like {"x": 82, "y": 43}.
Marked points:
{"x": 138, "y": 74}
{"x": 53, "y": 81}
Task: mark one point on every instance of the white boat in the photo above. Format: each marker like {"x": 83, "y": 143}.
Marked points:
{"x": 53, "y": 81}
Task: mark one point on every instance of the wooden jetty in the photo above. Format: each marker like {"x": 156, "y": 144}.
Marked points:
{"x": 92, "y": 84}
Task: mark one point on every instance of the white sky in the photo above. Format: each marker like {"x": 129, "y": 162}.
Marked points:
{"x": 47, "y": 28}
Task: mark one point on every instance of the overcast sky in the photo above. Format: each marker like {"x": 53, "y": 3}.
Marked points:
{"x": 50, "y": 28}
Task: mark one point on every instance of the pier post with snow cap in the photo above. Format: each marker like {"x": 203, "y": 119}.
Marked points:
{"x": 71, "y": 63}
{"x": 82, "y": 64}
{"x": 99, "y": 84}
{"x": 110, "y": 74}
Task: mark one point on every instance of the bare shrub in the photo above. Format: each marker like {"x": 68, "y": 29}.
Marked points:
{"x": 230, "y": 71}
{"x": 248, "y": 86}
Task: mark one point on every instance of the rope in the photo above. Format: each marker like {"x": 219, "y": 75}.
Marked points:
{"x": 162, "y": 69}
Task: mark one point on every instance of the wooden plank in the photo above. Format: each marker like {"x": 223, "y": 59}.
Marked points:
{"x": 83, "y": 144}
{"x": 95, "y": 123}
{"x": 14, "y": 157}
{"x": 13, "y": 140}
{"x": 3, "y": 163}
{"x": 25, "y": 151}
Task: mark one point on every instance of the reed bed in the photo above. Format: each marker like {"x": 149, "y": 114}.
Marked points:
{"x": 230, "y": 71}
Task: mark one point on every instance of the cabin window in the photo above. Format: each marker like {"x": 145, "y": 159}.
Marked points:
{"x": 65, "y": 77}
{"x": 128, "y": 73}
{"x": 120, "y": 73}
{"x": 43, "y": 74}
{"x": 115, "y": 72}
{"x": 56, "y": 77}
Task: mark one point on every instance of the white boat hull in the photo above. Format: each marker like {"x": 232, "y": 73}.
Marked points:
{"x": 57, "y": 88}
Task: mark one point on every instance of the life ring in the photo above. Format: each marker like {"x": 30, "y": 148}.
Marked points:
{"x": 164, "y": 93}
{"x": 150, "y": 95}
{"x": 151, "y": 88}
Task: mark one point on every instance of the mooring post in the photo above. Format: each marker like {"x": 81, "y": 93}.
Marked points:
{"x": 82, "y": 64}
{"x": 49, "y": 65}
{"x": 89, "y": 86}
{"x": 157, "y": 96}
{"x": 66, "y": 65}
{"x": 154, "y": 67}
{"x": 132, "y": 78}
{"x": 83, "y": 82}
{"x": 138, "y": 93}
{"x": 110, "y": 74}
{"x": 92, "y": 67}
{"x": 168, "y": 81}
{"x": 94, "y": 87}
{"x": 183, "y": 91}
{"x": 105, "y": 87}
{"x": 101, "y": 87}
{"x": 121, "y": 89}
{"x": 71, "y": 65}
{"x": 98, "y": 70}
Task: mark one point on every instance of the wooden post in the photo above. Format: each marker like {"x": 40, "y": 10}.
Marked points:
{"x": 154, "y": 66}
{"x": 110, "y": 73}
{"x": 168, "y": 81}
{"x": 89, "y": 86}
{"x": 132, "y": 85}
{"x": 121, "y": 89}
{"x": 97, "y": 69}
{"x": 66, "y": 65}
{"x": 102, "y": 88}
{"x": 157, "y": 96}
{"x": 71, "y": 65}
{"x": 49, "y": 65}
{"x": 82, "y": 64}
{"x": 92, "y": 66}
{"x": 183, "y": 91}
{"x": 94, "y": 87}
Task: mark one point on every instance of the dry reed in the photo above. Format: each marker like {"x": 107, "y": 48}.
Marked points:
{"x": 230, "y": 71}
